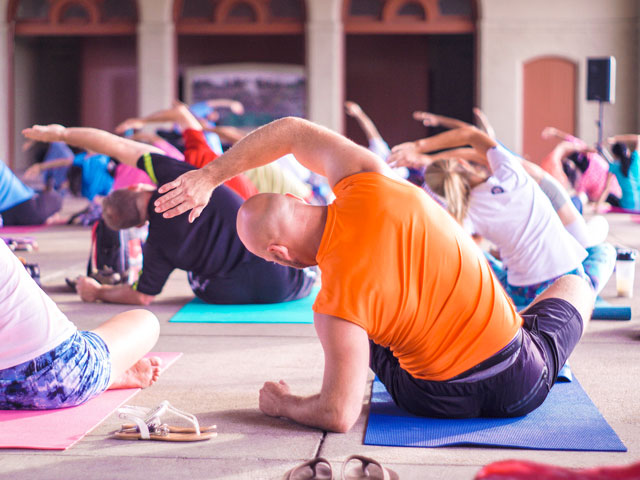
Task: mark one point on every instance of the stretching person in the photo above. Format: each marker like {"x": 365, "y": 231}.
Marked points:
{"x": 404, "y": 289}
{"x": 506, "y": 206}
{"x": 197, "y": 151}
{"x": 21, "y": 205}
{"x": 590, "y": 167}
{"x": 271, "y": 178}
{"x": 626, "y": 169}
{"x": 46, "y": 362}
{"x": 409, "y": 154}
{"x": 220, "y": 268}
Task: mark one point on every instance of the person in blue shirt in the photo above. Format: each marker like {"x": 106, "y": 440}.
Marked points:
{"x": 626, "y": 169}
{"x": 21, "y": 205}
{"x": 90, "y": 174}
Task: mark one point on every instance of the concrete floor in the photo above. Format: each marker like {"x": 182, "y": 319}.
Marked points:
{"x": 224, "y": 366}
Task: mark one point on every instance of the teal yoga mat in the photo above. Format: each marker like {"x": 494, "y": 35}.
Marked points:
{"x": 567, "y": 420}
{"x": 296, "y": 311}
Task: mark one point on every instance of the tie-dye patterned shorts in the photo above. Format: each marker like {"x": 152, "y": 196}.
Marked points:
{"x": 75, "y": 371}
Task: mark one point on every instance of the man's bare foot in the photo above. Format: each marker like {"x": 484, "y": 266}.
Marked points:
{"x": 141, "y": 375}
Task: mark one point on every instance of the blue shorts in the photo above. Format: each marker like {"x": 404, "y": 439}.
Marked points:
{"x": 75, "y": 371}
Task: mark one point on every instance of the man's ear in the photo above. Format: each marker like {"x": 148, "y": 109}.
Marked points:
{"x": 279, "y": 251}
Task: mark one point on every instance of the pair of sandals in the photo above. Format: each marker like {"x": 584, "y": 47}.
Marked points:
{"x": 354, "y": 467}
{"x": 148, "y": 425}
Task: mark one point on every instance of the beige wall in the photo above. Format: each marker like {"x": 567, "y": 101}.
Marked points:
{"x": 512, "y": 32}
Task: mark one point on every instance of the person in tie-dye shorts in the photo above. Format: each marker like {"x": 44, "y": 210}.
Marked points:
{"x": 46, "y": 362}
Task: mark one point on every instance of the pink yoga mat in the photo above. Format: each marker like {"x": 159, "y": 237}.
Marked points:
{"x": 60, "y": 429}
{"x": 20, "y": 229}
{"x": 622, "y": 210}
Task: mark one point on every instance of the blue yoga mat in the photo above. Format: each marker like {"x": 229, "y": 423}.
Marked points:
{"x": 567, "y": 420}
{"x": 296, "y": 311}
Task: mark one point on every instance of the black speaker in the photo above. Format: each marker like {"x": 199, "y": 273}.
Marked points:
{"x": 601, "y": 79}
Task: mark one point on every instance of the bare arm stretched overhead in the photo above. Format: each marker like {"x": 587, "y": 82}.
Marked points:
{"x": 631, "y": 139}
{"x": 178, "y": 113}
{"x": 125, "y": 150}
{"x": 366, "y": 124}
{"x": 432, "y": 120}
{"x": 317, "y": 148}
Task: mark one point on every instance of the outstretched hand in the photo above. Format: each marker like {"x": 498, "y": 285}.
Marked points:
{"x": 44, "y": 133}
{"x": 190, "y": 191}
{"x": 129, "y": 124}
{"x": 352, "y": 108}
{"x": 427, "y": 119}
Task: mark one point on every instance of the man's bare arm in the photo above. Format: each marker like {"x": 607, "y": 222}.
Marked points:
{"x": 92, "y": 291}
{"x": 339, "y": 403}
{"x": 317, "y": 148}
{"x": 125, "y": 150}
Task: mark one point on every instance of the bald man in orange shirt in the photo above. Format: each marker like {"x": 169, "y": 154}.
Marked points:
{"x": 404, "y": 289}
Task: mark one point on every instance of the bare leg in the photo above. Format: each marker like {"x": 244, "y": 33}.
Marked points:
{"x": 574, "y": 290}
{"x": 129, "y": 336}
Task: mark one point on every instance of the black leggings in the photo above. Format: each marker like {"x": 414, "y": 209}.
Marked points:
{"x": 34, "y": 211}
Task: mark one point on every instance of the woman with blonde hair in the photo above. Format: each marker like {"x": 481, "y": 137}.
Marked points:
{"x": 490, "y": 186}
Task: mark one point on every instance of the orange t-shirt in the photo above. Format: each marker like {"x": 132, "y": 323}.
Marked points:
{"x": 396, "y": 263}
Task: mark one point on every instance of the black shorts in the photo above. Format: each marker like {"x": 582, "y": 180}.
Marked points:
{"x": 256, "y": 281}
{"x": 551, "y": 330}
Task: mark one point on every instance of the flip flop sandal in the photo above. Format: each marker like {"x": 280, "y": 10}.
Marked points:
{"x": 315, "y": 469}
{"x": 367, "y": 468}
{"x": 147, "y": 425}
{"x": 130, "y": 427}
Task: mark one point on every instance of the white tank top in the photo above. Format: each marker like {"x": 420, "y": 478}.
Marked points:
{"x": 30, "y": 322}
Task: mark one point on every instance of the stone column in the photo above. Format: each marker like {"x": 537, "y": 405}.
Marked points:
{"x": 325, "y": 63}
{"x": 6, "y": 39}
{"x": 156, "y": 56}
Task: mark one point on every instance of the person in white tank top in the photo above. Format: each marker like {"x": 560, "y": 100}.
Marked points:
{"x": 45, "y": 362}
{"x": 508, "y": 208}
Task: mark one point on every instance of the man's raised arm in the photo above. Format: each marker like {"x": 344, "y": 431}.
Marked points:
{"x": 125, "y": 150}
{"x": 317, "y": 148}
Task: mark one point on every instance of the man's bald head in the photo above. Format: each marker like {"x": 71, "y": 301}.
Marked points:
{"x": 273, "y": 227}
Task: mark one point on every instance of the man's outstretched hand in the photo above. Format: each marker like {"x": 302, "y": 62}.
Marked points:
{"x": 190, "y": 191}
{"x": 44, "y": 133}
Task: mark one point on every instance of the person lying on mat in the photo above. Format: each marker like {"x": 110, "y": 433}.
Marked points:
{"x": 46, "y": 362}
{"x": 404, "y": 288}
{"x": 220, "y": 268}
{"x": 535, "y": 249}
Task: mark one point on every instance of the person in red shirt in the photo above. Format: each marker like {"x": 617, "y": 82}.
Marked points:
{"x": 196, "y": 152}
{"x": 404, "y": 289}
